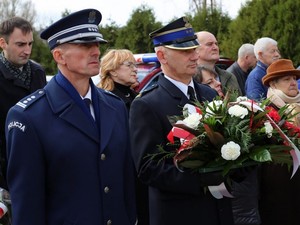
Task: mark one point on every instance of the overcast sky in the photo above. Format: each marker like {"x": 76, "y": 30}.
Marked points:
{"x": 120, "y": 10}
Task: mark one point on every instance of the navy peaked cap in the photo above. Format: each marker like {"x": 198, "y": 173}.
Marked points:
{"x": 178, "y": 34}
{"x": 78, "y": 27}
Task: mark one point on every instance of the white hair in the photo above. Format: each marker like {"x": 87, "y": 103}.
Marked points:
{"x": 246, "y": 49}
{"x": 262, "y": 43}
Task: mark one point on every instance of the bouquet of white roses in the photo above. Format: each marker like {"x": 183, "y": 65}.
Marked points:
{"x": 222, "y": 135}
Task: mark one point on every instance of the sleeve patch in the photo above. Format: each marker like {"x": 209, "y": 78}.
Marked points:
{"x": 16, "y": 124}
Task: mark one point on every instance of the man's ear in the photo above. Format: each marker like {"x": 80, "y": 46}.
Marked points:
{"x": 58, "y": 56}
{"x": 2, "y": 43}
{"x": 260, "y": 55}
{"x": 161, "y": 56}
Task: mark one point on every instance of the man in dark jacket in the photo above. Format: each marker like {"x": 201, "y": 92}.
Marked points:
{"x": 19, "y": 76}
{"x": 175, "y": 198}
{"x": 243, "y": 65}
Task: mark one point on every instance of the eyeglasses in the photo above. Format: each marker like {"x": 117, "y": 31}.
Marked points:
{"x": 132, "y": 65}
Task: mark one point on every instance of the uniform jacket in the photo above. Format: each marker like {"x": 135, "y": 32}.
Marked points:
{"x": 11, "y": 91}
{"x": 66, "y": 168}
{"x": 228, "y": 81}
{"x": 254, "y": 86}
{"x": 176, "y": 198}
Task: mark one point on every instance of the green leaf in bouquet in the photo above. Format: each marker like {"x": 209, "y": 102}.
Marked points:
{"x": 282, "y": 159}
{"x": 281, "y": 155}
{"x": 260, "y": 154}
{"x": 227, "y": 168}
{"x": 239, "y": 131}
{"x": 213, "y": 165}
{"x": 161, "y": 155}
{"x": 285, "y": 113}
{"x": 280, "y": 148}
{"x": 217, "y": 162}
{"x": 260, "y": 115}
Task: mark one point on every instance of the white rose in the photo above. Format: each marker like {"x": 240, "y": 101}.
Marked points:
{"x": 192, "y": 120}
{"x": 216, "y": 103}
{"x": 231, "y": 151}
{"x": 238, "y": 111}
{"x": 268, "y": 128}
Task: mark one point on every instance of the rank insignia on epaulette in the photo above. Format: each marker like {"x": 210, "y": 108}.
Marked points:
{"x": 25, "y": 102}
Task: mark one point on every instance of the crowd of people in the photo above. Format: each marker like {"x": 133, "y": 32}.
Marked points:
{"x": 76, "y": 153}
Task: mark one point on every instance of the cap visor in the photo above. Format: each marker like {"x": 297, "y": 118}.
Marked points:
{"x": 88, "y": 40}
{"x": 184, "y": 46}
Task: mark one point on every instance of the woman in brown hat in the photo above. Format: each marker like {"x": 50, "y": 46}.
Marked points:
{"x": 281, "y": 78}
{"x": 279, "y": 194}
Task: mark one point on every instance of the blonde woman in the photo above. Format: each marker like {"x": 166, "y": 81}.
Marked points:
{"x": 118, "y": 73}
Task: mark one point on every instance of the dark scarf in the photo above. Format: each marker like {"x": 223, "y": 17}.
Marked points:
{"x": 24, "y": 75}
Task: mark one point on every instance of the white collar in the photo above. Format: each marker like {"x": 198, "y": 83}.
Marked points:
{"x": 183, "y": 87}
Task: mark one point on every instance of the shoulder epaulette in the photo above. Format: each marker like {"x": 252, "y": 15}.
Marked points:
{"x": 30, "y": 99}
{"x": 151, "y": 88}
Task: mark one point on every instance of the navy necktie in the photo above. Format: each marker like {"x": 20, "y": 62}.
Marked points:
{"x": 87, "y": 102}
{"x": 191, "y": 93}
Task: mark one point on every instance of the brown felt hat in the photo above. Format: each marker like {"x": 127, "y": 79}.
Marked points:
{"x": 280, "y": 68}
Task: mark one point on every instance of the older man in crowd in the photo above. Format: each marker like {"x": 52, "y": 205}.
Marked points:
{"x": 245, "y": 63}
{"x": 209, "y": 55}
{"x": 266, "y": 52}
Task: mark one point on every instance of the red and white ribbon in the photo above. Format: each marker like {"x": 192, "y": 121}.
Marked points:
{"x": 3, "y": 209}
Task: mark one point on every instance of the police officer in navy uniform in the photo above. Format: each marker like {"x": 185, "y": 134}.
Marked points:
{"x": 68, "y": 162}
{"x": 175, "y": 198}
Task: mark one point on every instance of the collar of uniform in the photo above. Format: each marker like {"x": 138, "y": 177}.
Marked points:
{"x": 183, "y": 87}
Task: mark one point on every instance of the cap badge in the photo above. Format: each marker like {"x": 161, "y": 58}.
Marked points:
{"x": 92, "y": 17}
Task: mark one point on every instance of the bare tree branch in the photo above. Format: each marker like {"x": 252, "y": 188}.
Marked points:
{"x": 11, "y": 8}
